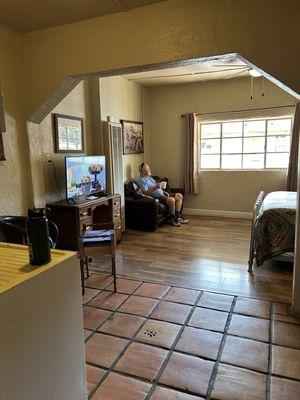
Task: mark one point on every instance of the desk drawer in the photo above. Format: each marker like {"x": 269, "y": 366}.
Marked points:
{"x": 85, "y": 221}
{"x": 116, "y": 216}
{"x": 85, "y": 212}
{"x": 116, "y": 202}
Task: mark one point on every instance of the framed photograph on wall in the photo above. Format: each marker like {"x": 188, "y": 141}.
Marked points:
{"x": 133, "y": 137}
{"x": 69, "y": 136}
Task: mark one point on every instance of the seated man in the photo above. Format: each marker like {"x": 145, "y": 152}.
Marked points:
{"x": 153, "y": 189}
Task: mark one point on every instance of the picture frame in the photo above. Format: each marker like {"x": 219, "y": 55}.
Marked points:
{"x": 133, "y": 137}
{"x": 69, "y": 134}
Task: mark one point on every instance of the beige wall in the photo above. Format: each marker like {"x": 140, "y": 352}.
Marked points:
{"x": 76, "y": 103}
{"x": 33, "y": 65}
{"x": 219, "y": 190}
{"x": 171, "y": 30}
{"x": 15, "y": 193}
{"x": 123, "y": 99}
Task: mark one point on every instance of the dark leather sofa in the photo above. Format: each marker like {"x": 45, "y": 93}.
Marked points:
{"x": 145, "y": 213}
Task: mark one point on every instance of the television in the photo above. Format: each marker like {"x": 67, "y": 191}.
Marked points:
{"x": 85, "y": 175}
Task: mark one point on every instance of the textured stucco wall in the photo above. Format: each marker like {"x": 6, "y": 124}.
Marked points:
{"x": 33, "y": 65}
{"x": 264, "y": 32}
{"x": 123, "y": 99}
{"x": 15, "y": 192}
{"x": 42, "y": 145}
{"x": 219, "y": 190}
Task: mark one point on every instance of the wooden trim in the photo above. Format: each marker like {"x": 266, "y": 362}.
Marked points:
{"x": 57, "y": 150}
{"x": 122, "y": 121}
{"x": 218, "y": 213}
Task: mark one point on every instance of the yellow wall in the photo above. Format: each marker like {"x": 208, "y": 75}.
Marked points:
{"x": 33, "y": 65}
{"x": 75, "y": 104}
{"x": 219, "y": 190}
{"x": 15, "y": 193}
{"x": 123, "y": 99}
{"x": 264, "y": 32}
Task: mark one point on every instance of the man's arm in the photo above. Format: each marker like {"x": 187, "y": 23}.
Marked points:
{"x": 146, "y": 190}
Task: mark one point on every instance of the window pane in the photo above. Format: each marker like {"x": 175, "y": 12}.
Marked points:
{"x": 279, "y": 126}
{"x": 211, "y": 161}
{"x": 210, "y": 131}
{"x": 278, "y": 144}
{"x": 253, "y": 161}
{"x": 209, "y": 146}
{"x": 232, "y": 161}
{"x": 254, "y": 145}
{"x": 232, "y": 145}
{"x": 278, "y": 160}
{"x": 254, "y": 128}
{"x": 231, "y": 129}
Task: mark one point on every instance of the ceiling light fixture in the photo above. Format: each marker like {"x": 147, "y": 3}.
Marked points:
{"x": 254, "y": 73}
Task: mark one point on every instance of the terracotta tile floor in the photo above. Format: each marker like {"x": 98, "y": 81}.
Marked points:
{"x": 156, "y": 342}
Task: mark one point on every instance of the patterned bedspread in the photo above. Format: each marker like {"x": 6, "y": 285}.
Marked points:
{"x": 275, "y": 225}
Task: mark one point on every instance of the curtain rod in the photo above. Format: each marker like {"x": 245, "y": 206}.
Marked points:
{"x": 237, "y": 111}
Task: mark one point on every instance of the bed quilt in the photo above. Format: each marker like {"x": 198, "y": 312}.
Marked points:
{"x": 275, "y": 225}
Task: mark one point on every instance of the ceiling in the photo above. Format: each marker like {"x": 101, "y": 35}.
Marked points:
{"x": 199, "y": 72}
{"x": 30, "y": 15}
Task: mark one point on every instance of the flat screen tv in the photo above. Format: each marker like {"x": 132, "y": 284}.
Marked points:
{"x": 85, "y": 176}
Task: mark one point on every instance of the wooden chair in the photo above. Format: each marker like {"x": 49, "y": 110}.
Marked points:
{"x": 13, "y": 230}
{"x": 97, "y": 239}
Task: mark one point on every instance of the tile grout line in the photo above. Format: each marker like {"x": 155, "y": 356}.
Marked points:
{"x": 97, "y": 330}
{"x": 133, "y": 340}
{"x": 220, "y": 352}
{"x": 130, "y": 341}
{"x": 268, "y": 383}
{"x": 111, "y": 311}
{"x": 172, "y": 348}
{"x": 216, "y": 291}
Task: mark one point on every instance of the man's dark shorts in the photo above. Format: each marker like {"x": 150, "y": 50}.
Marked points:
{"x": 163, "y": 199}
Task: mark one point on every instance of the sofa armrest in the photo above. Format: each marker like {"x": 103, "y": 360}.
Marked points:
{"x": 146, "y": 202}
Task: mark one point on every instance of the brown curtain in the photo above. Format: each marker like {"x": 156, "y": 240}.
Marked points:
{"x": 292, "y": 175}
{"x": 191, "y": 178}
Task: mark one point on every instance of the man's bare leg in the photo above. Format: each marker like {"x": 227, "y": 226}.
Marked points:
{"x": 178, "y": 207}
{"x": 170, "y": 201}
{"x": 171, "y": 205}
{"x": 178, "y": 202}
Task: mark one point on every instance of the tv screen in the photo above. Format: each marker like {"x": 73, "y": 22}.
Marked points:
{"x": 85, "y": 175}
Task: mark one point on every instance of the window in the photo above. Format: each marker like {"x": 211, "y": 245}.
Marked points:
{"x": 247, "y": 144}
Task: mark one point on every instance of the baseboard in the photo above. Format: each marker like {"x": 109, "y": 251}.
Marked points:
{"x": 218, "y": 213}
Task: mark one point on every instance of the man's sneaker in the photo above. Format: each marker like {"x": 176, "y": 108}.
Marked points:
{"x": 173, "y": 221}
{"x": 182, "y": 220}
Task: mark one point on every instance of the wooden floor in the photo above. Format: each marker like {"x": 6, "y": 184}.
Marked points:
{"x": 208, "y": 253}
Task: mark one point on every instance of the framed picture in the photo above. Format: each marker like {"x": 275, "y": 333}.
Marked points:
{"x": 133, "y": 137}
{"x": 68, "y": 134}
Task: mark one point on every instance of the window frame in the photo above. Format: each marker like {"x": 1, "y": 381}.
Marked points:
{"x": 242, "y": 153}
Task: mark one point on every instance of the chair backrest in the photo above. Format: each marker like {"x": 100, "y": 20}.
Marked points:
{"x": 53, "y": 234}
{"x": 13, "y": 230}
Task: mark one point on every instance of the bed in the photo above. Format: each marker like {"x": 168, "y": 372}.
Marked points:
{"x": 273, "y": 227}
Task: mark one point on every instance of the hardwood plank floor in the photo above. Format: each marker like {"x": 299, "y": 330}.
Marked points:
{"x": 207, "y": 253}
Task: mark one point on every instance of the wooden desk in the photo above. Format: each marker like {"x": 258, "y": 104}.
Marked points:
{"x": 70, "y": 217}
